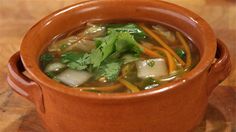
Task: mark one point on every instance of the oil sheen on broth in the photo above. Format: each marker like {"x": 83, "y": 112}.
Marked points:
{"x": 119, "y": 57}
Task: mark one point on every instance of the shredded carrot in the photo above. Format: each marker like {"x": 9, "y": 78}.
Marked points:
{"x": 170, "y": 59}
{"x": 104, "y": 89}
{"x": 150, "y": 52}
{"x": 162, "y": 43}
{"x": 186, "y": 48}
{"x": 129, "y": 85}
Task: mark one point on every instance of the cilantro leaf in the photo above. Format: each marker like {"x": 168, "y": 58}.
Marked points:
{"x": 76, "y": 60}
{"x": 151, "y": 63}
{"x": 46, "y": 58}
{"x": 51, "y": 74}
{"x": 109, "y": 70}
{"x": 105, "y": 48}
{"x": 126, "y": 41}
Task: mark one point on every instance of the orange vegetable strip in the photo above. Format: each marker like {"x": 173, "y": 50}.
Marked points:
{"x": 104, "y": 89}
{"x": 170, "y": 59}
{"x": 150, "y": 52}
{"x": 186, "y": 48}
{"x": 162, "y": 43}
{"x": 129, "y": 85}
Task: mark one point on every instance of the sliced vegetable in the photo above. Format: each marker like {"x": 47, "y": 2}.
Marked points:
{"x": 131, "y": 28}
{"x": 129, "y": 85}
{"x": 166, "y": 33}
{"x": 129, "y": 58}
{"x": 150, "y": 52}
{"x": 82, "y": 44}
{"x": 127, "y": 68}
{"x": 187, "y": 49}
{"x": 62, "y": 44}
{"x": 79, "y": 42}
{"x": 170, "y": 59}
{"x": 73, "y": 78}
{"x": 54, "y": 67}
{"x": 94, "y": 31}
{"x": 162, "y": 43}
{"x": 155, "y": 71}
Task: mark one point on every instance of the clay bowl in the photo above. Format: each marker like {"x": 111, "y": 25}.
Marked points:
{"x": 176, "y": 106}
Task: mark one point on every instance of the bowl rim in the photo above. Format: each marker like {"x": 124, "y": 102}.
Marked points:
{"x": 39, "y": 77}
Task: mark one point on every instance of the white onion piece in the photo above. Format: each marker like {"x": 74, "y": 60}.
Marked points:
{"x": 54, "y": 66}
{"x": 86, "y": 45}
{"x": 156, "y": 70}
{"x": 56, "y": 46}
{"x": 129, "y": 58}
{"x": 83, "y": 44}
{"x": 94, "y": 31}
{"x": 73, "y": 78}
{"x": 169, "y": 35}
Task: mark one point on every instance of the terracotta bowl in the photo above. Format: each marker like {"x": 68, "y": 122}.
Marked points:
{"x": 177, "y": 106}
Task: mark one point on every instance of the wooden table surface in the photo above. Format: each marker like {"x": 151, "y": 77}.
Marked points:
{"x": 17, "y": 16}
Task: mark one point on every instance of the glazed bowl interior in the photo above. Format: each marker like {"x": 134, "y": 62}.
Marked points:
{"x": 190, "y": 24}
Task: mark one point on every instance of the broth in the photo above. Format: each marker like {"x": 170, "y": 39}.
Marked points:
{"x": 119, "y": 57}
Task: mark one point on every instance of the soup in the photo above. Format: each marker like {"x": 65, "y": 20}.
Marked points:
{"x": 119, "y": 57}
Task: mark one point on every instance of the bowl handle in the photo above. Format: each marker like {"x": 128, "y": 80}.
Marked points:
{"x": 22, "y": 84}
{"x": 220, "y": 69}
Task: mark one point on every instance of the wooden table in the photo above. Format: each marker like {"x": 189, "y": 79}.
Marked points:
{"x": 17, "y": 16}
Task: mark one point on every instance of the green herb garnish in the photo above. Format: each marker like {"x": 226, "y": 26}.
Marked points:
{"x": 46, "y": 58}
{"x": 151, "y": 63}
{"x": 181, "y": 53}
{"x": 110, "y": 71}
{"x": 76, "y": 60}
{"x": 64, "y": 46}
{"x": 105, "y": 48}
{"x": 149, "y": 83}
{"x": 51, "y": 74}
